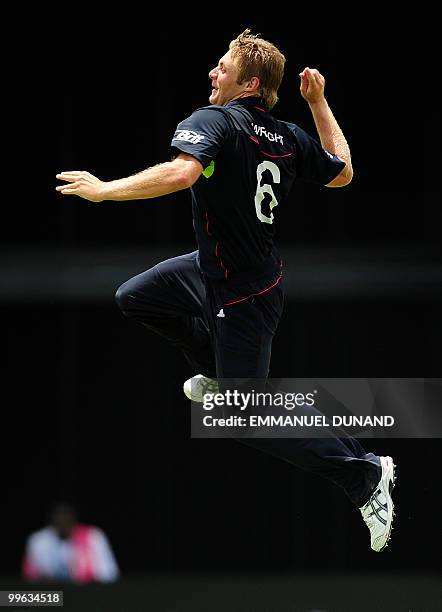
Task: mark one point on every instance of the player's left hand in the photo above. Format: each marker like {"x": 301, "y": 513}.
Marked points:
{"x": 312, "y": 85}
{"x": 82, "y": 184}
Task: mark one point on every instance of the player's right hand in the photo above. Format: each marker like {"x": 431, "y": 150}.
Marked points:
{"x": 312, "y": 85}
{"x": 82, "y": 184}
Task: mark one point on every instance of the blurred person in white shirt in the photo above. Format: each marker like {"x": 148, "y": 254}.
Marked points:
{"x": 67, "y": 550}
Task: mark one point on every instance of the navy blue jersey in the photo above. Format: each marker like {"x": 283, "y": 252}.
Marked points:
{"x": 250, "y": 161}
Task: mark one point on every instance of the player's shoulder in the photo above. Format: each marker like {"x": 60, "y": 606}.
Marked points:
{"x": 212, "y": 113}
{"x": 293, "y": 128}
{"x": 301, "y": 138}
{"x": 207, "y": 120}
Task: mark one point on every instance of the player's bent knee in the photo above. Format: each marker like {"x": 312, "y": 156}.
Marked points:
{"x": 122, "y": 297}
{"x": 133, "y": 295}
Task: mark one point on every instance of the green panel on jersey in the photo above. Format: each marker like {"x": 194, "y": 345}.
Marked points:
{"x": 207, "y": 172}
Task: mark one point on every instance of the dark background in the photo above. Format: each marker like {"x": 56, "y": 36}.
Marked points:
{"x": 93, "y": 410}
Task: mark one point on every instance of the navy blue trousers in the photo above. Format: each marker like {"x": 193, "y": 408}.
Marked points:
{"x": 225, "y": 330}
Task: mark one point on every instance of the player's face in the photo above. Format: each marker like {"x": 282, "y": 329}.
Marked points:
{"x": 224, "y": 85}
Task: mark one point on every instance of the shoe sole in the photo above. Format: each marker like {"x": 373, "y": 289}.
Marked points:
{"x": 187, "y": 391}
{"x": 391, "y": 480}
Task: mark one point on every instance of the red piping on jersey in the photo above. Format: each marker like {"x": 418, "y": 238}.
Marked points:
{"x": 221, "y": 263}
{"x": 263, "y": 110}
{"x": 243, "y": 299}
{"x": 274, "y": 156}
{"x": 255, "y": 140}
{"x": 207, "y": 224}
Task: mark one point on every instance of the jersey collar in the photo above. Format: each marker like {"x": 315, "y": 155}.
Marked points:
{"x": 250, "y": 101}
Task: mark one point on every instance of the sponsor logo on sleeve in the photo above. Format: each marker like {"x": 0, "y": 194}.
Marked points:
{"x": 188, "y": 136}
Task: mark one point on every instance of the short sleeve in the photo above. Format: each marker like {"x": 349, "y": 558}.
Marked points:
{"x": 314, "y": 164}
{"x": 106, "y": 569}
{"x": 202, "y": 135}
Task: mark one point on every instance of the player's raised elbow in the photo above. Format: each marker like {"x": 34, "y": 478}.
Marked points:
{"x": 189, "y": 170}
{"x": 344, "y": 177}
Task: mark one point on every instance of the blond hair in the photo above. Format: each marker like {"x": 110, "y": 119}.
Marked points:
{"x": 254, "y": 56}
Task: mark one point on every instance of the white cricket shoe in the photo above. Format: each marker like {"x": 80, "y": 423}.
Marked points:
{"x": 378, "y": 511}
{"x": 196, "y": 388}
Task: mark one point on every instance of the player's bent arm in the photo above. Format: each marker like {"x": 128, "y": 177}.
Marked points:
{"x": 159, "y": 180}
{"x": 333, "y": 140}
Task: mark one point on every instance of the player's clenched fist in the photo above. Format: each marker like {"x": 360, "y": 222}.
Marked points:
{"x": 312, "y": 85}
{"x": 81, "y": 183}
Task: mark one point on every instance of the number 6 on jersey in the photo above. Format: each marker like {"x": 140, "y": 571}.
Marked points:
{"x": 261, "y": 190}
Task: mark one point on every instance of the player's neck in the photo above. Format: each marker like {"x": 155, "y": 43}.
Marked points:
{"x": 244, "y": 95}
